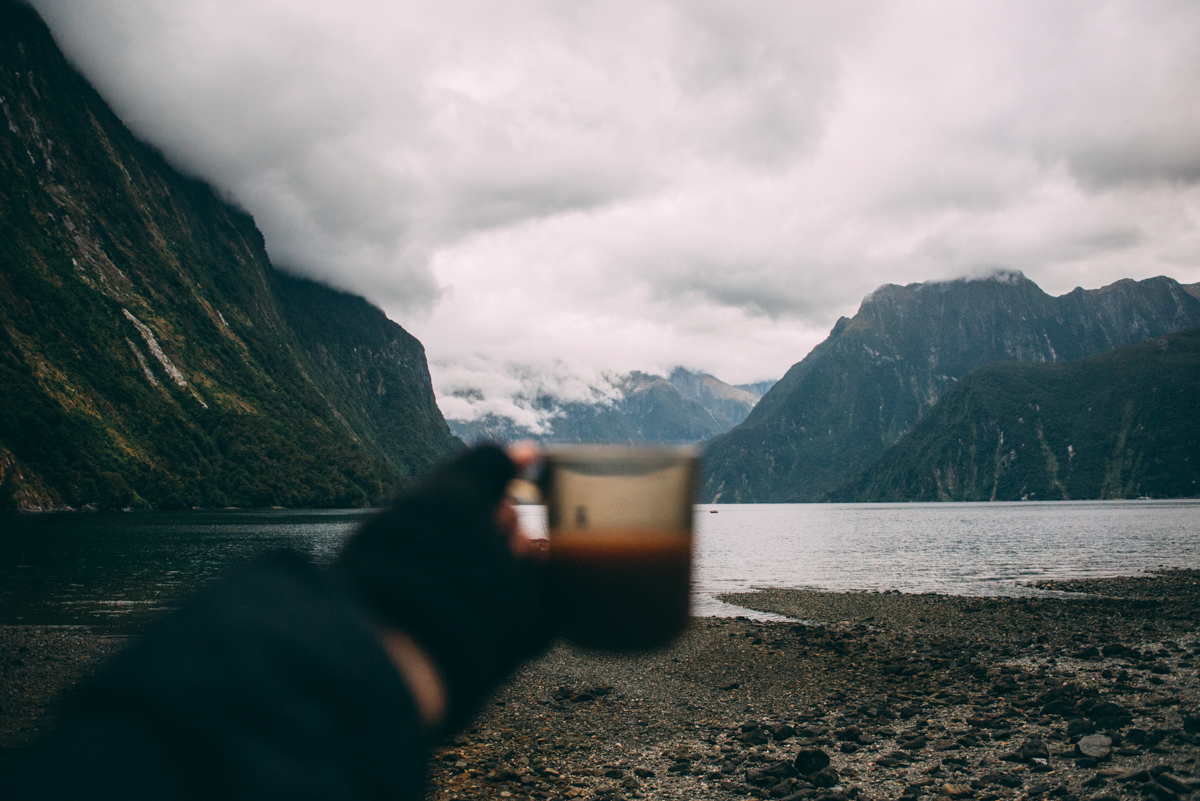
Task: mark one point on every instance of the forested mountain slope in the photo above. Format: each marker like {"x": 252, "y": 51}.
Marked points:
{"x": 149, "y": 353}
{"x": 1123, "y": 424}
{"x": 875, "y": 375}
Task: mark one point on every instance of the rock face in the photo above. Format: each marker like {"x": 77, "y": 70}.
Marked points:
{"x": 1124, "y": 424}
{"x": 686, "y": 407}
{"x": 150, "y": 355}
{"x": 877, "y": 374}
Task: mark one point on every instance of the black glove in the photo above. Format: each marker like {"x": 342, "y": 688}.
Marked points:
{"x": 437, "y": 567}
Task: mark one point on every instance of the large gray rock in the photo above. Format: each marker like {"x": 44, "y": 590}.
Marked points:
{"x": 1096, "y": 746}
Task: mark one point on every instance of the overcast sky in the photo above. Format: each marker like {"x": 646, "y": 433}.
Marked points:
{"x": 545, "y": 191}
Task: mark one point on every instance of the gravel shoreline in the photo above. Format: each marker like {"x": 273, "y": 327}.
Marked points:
{"x": 39, "y": 665}
{"x": 905, "y": 696}
{"x": 1088, "y": 695}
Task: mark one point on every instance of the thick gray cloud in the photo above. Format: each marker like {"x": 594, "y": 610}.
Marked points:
{"x": 549, "y": 192}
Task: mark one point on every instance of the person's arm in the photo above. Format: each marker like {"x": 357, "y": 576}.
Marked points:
{"x": 281, "y": 679}
{"x": 440, "y": 567}
{"x": 271, "y": 682}
{"x": 416, "y": 667}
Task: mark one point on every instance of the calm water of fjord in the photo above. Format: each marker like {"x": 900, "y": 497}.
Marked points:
{"x": 116, "y": 571}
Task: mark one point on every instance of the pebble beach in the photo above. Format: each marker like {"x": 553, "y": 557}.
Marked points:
{"x": 1090, "y": 694}
{"x": 1089, "y": 691}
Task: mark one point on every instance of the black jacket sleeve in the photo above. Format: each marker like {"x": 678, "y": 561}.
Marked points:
{"x": 269, "y": 684}
{"x": 436, "y": 566}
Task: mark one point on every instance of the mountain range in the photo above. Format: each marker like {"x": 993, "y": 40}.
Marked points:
{"x": 150, "y": 354}
{"x": 858, "y": 392}
{"x": 1123, "y": 424}
{"x": 684, "y": 407}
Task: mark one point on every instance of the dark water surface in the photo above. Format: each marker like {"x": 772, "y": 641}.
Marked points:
{"x": 116, "y": 571}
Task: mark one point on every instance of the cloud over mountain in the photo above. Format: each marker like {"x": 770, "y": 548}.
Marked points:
{"x": 545, "y": 191}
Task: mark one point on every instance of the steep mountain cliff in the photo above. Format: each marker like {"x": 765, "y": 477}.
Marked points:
{"x": 149, "y": 353}
{"x": 687, "y": 407}
{"x": 875, "y": 375}
{"x": 1123, "y": 424}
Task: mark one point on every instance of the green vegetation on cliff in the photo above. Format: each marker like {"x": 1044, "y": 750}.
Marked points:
{"x": 877, "y": 374}
{"x": 149, "y": 353}
{"x": 1123, "y": 424}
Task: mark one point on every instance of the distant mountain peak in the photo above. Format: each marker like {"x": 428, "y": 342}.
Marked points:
{"x": 684, "y": 407}
{"x": 996, "y": 275}
{"x": 708, "y": 389}
{"x": 895, "y": 293}
{"x": 1002, "y": 275}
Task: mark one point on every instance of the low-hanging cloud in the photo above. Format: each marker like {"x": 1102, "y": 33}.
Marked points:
{"x": 550, "y": 193}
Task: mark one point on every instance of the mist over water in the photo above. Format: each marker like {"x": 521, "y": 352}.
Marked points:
{"x": 118, "y": 571}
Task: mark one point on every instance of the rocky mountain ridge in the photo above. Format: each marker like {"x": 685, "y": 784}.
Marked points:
{"x": 684, "y": 407}
{"x": 877, "y": 374}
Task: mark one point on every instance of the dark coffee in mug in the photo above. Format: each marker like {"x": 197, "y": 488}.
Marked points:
{"x": 621, "y": 543}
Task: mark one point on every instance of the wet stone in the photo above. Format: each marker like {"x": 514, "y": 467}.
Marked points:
{"x": 1135, "y": 775}
{"x": 826, "y": 777}
{"x": 782, "y": 731}
{"x": 1161, "y": 793}
{"x": 1177, "y": 784}
{"x": 810, "y": 760}
{"x": 848, "y": 734}
{"x": 1080, "y": 726}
